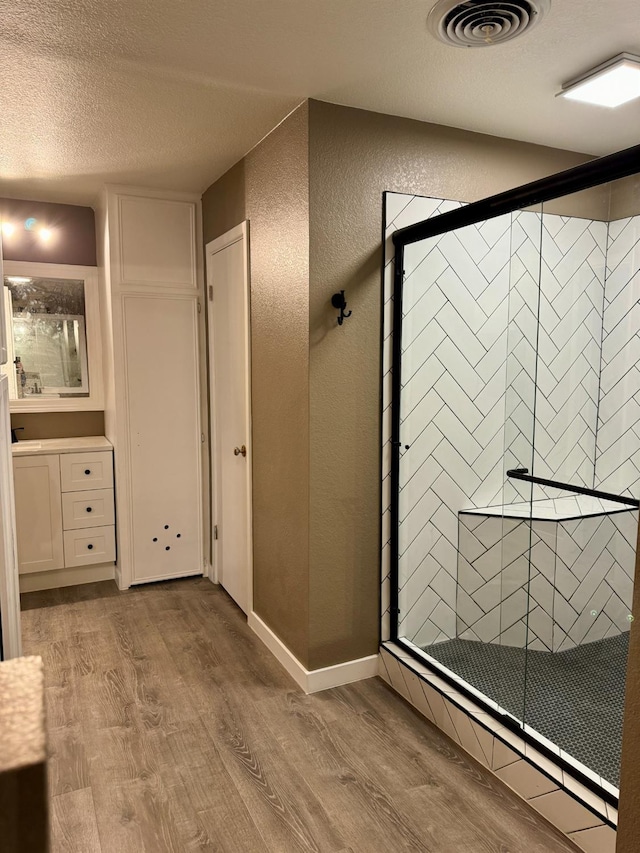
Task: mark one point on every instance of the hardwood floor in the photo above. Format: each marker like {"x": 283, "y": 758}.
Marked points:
{"x": 171, "y": 728}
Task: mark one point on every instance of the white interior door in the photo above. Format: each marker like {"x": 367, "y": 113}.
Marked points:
{"x": 229, "y": 358}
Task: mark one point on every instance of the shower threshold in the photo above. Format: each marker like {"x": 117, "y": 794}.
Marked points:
{"x": 573, "y": 698}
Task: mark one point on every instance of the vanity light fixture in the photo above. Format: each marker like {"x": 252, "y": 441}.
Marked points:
{"x": 18, "y": 279}
{"x": 43, "y": 233}
{"x": 610, "y": 84}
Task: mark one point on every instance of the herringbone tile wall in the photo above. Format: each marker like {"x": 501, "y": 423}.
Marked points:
{"x": 470, "y": 373}
{"x": 567, "y": 256}
{"x": 400, "y": 210}
{"x": 618, "y": 449}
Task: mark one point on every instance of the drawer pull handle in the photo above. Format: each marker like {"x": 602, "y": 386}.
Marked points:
{"x": 88, "y": 509}
{"x": 90, "y": 547}
{"x": 87, "y": 471}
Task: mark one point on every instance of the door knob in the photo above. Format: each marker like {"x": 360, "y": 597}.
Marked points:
{"x": 240, "y": 451}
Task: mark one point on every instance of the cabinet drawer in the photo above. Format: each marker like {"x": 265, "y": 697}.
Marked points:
{"x": 81, "y": 471}
{"x": 92, "y": 545}
{"x": 92, "y": 508}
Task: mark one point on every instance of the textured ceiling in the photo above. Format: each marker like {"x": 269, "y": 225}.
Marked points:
{"x": 170, "y": 93}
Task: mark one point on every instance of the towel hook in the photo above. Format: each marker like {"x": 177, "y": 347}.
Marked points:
{"x": 338, "y": 301}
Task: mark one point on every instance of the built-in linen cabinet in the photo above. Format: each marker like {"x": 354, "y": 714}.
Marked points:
{"x": 151, "y": 252}
{"x": 65, "y": 514}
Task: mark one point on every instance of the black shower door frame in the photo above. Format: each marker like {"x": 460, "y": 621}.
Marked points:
{"x": 591, "y": 174}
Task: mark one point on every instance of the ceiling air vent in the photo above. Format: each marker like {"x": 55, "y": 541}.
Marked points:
{"x": 483, "y": 23}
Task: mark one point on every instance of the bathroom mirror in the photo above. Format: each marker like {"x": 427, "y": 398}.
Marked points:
{"x": 52, "y": 337}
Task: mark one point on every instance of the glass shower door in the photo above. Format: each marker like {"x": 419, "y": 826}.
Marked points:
{"x": 458, "y": 587}
{"x": 582, "y": 554}
{"x": 516, "y": 442}
{"x": 496, "y": 535}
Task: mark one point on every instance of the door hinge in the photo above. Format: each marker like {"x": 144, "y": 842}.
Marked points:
{"x": 210, "y": 293}
{"x": 202, "y": 438}
{"x": 215, "y": 531}
{"x": 199, "y": 307}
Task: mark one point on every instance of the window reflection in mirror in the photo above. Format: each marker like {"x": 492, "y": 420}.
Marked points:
{"x": 47, "y": 341}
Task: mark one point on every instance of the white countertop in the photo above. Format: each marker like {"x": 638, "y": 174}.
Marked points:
{"x": 40, "y": 447}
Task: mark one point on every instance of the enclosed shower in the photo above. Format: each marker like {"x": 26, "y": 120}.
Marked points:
{"x": 514, "y": 451}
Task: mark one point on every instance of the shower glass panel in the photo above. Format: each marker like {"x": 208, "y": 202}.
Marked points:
{"x": 470, "y": 304}
{"x": 496, "y": 533}
{"x": 583, "y": 545}
{"x": 518, "y": 442}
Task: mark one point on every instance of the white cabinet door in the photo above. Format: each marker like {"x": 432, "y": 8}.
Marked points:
{"x": 38, "y": 513}
{"x": 164, "y": 401}
{"x": 9, "y": 594}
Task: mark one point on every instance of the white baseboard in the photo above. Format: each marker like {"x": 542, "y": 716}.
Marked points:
{"x": 54, "y": 578}
{"x": 312, "y": 681}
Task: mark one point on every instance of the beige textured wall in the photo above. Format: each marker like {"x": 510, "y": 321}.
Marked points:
{"x": 354, "y": 157}
{"x": 316, "y": 390}
{"x": 58, "y": 424}
{"x": 271, "y": 188}
{"x": 625, "y": 198}
{"x": 590, "y": 204}
{"x": 224, "y": 204}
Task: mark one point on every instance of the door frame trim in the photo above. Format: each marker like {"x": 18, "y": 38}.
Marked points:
{"x": 10, "y": 616}
{"x": 240, "y": 233}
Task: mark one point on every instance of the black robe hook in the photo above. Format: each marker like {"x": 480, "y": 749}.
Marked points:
{"x": 338, "y": 301}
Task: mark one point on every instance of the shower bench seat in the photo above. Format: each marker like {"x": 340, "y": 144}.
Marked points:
{"x": 549, "y": 574}
{"x": 553, "y": 509}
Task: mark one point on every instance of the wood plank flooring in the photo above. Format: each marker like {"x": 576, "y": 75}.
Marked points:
{"x": 171, "y": 728}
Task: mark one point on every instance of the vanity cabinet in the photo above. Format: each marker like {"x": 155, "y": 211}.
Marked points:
{"x": 64, "y": 501}
{"x": 36, "y": 482}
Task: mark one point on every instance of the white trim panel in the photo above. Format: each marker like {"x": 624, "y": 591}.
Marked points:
{"x": 313, "y": 681}
{"x": 9, "y": 593}
{"x": 66, "y": 577}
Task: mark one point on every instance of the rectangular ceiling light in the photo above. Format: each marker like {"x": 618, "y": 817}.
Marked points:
{"x": 609, "y": 85}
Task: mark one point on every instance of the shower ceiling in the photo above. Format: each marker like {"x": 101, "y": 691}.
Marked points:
{"x": 163, "y": 93}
